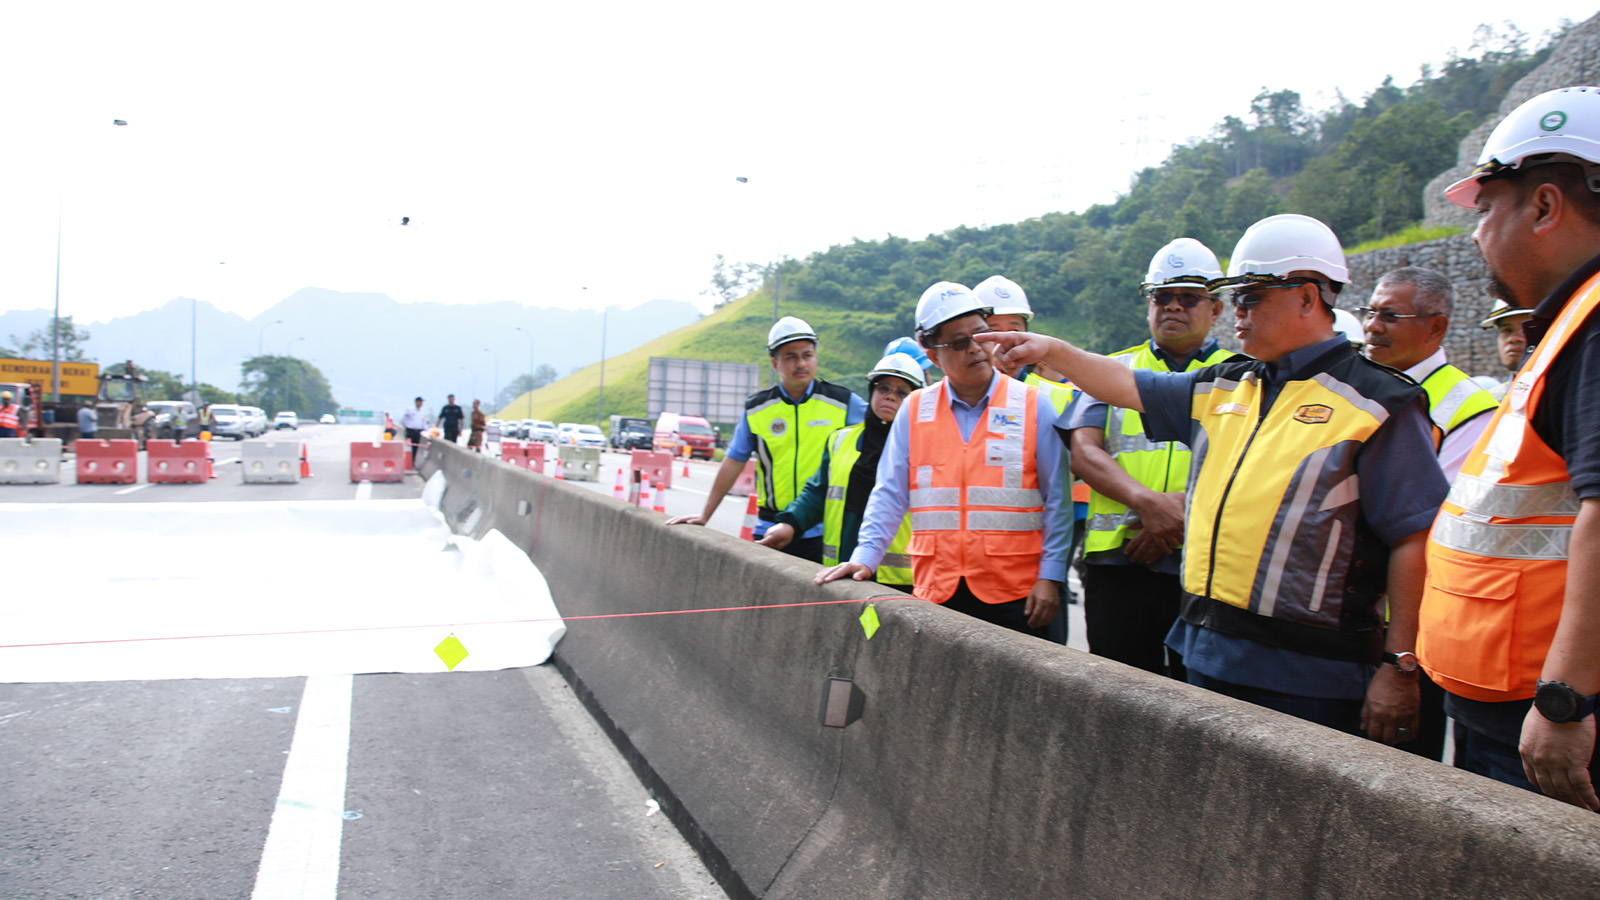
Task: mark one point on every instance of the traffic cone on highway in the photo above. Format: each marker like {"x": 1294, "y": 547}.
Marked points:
{"x": 211, "y": 471}
{"x": 661, "y": 498}
{"x": 748, "y": 532}
{"x": 618, "y": 492}
{"x": 305, "y": 461}
{"x": 644, "y": 495}
{"x": 558, "y": 475}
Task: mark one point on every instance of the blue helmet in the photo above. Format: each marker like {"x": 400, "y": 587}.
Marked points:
{"x": 909, "y": 347}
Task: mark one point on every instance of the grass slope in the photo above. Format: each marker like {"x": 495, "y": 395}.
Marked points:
{"x": 736, "y": 332}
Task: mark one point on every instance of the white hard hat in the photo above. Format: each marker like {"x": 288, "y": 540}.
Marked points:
{"x": 1346, "y": 323}
{"x": 5, "y": 395}
{"x": 1277, "y": 245}
{"x": 1185, "y": 261}
{"x": 944, "y": 301}
{"x": 1004, "y": 296}
{"x": 1564, "y": 121}
{"x": 900, "y": 365}
{"x": 1502, "y": 310}
{"x": 789, "y": 329}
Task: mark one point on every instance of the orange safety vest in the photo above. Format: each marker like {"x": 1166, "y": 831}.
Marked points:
{"x": 8, "y": 416}
{"x": 1497, "y": 554}
{"x": 976, "y": 509}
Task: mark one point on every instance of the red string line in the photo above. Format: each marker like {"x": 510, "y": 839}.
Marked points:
{"x": 662, "y": 612}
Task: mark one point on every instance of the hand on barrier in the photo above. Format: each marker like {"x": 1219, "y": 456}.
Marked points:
{"x": 778, "y": 536}
{"x": 853, "y": 570}
{"x": 1394, "y": 703}
{"x": 1555, "y": 757}
{"x": 686, "y": 520}
{"x": 1043, "y": 602}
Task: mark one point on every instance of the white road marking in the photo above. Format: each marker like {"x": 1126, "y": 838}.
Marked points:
{"x": 301, "y": 857}
{"x": 364, "y": 491}
{"x": 129, "y": 490}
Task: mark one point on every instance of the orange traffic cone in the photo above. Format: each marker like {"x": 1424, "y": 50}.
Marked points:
{"x": 748, "y": 532}
{"x": 661, "y": 498}
{"x": 559, "y": 476}
{"x": 644, "y": 494}
{"x": 305, "y": 461}
{"x": 211, "y": 471}
{"x": 686, "y": 455}
{"x": 618, "y": 492}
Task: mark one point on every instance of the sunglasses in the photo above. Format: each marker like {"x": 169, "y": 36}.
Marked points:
{"x": 961, "y": 344}
{"x": 1248, "y": 299}
{"x": 1367, "y": 314}
{"x": 1187, "y": 301}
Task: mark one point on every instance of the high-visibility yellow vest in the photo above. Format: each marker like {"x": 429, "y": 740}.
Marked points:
{"x": 1453, "y": 399}
{"x": 1160, "y": 466}
{"x": 1275, "y": 546}
{"x": 1060, "y": 394}
{"x": 843, "y": 450}
{"x": 1497, "y": 554}
{"x": 790, "y": 438}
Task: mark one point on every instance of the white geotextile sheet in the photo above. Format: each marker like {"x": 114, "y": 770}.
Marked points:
{"x": 105, "y": 592}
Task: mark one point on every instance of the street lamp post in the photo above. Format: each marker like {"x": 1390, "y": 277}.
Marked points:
{"x": 294, "y": 373}
{"x": 777, "y": 282}
{"x": 263, "y": 335}
{"x": 600, "y": 405}
{"x": 530, "y": 368}
{"x": 55, "y": 322}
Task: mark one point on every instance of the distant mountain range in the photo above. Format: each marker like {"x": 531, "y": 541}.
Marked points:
{"x": 376, "y": 352}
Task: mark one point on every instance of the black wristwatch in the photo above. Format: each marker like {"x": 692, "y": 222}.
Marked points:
{"x": 1558, "y": 702}
{"x": 1405, "y": 661}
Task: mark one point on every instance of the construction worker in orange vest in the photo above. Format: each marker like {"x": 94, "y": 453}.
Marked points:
{"x": 973, "y": 459}
{"x": 1510, "y": 619}
{"x": 9, "y": 415}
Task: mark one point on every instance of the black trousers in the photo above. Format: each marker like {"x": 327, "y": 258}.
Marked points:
{"x": 806, "y": 548}
{"x": 1129, "y": 610}
{"x": 1010, "y": 615}
{"x": 414, "y": 438}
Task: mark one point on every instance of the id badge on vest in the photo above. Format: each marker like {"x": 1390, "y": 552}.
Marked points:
{"x": 1007, "y": 451}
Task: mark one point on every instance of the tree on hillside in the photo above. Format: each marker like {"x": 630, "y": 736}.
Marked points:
{"x": 542, "y": 375}
{"x": 277, "y": 383}
{"x": 38, "y": 344}
{"x": 730, "y": 281}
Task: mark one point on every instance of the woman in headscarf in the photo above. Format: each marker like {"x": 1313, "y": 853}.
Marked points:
{"x": 479, "y": 423}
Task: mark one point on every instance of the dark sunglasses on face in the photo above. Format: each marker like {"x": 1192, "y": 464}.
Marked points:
{"x": 961, "y": 344}
{"x": 1187, "y": 301}
{"x": 1250, "y": 298}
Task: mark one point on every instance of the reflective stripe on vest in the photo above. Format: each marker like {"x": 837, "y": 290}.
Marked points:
{"x": 1497, "y": 554}
{"x": 790, "y": 438}
{"x": 1162, "y": 466}
{"x": 976, "y": 510}
{"x": 844, "y": 448}
{"x": 1453, "y": 399}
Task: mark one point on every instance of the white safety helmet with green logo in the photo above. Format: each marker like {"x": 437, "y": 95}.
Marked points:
{"x": 1277, "y": 245}
{"x": 1562, "y": 125}
{"x": 1184, "y": 262}
{"x": 900, "y": 365}
{"x": 789, "y": 329}
{"x": 1004, "y": 296}
{"x": 946, "y": 300}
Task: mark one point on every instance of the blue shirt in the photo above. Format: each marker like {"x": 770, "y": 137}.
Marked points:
{"x": 891, "y": 496}
{"x": 743, "y": 444}
{"x": 1401, "y": 489}
{"x": 87, "y": 423}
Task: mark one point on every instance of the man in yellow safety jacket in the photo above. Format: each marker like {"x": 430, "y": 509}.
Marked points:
{"x": 1312, "y": 482}
{"x": 786, "y": 428}
{"x": 837, "y": 494}
{"x": 973, "y": 461}
{"x": 1510, "y": 620}
{"x": 1135, "y": 523}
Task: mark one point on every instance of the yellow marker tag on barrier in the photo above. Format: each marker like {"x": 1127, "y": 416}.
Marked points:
{"x": 451, "y": 651}
{"x": 869, "y": 621}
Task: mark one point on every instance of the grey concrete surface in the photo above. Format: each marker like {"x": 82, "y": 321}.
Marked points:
{"x": 985, "y": 763}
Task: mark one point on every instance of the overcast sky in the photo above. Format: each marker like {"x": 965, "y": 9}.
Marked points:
{"x": 540, "y": 148}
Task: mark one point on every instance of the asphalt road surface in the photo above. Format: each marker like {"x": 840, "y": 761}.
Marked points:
{"x": 463, "y": 784}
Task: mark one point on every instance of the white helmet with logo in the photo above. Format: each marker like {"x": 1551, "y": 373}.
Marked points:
{"x": 1565, "y": 121}
{"x": 789, "y": 329}
{"x": 1184, "y": 262}
{"x": 1502, "y": 310}
{"x": 1004, "y": 296}
{"x": 900, "y": 365}
{"x": 1277, "y": 245}
{"x": 944, "y": 301}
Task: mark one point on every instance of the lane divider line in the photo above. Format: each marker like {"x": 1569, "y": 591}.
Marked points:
{"x": 129, "y": 490}
{"x": 300, "y": 860}
{"x": 632, "y": 615}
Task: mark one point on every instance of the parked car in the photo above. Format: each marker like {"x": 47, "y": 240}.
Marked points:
{"x": 525, "y": 429}
{"x": 583, "y": 436}
{"x": 229, "y": 420}
{"x": 543, "y": 431}
{"x": 286, "y": 419}
{"x": 629, "y": 433}
{"x": 161, "y": 426}
{"x": 258, "y": 420}
{"x": 328, "y": 419}
{"x": 674, "y": 432}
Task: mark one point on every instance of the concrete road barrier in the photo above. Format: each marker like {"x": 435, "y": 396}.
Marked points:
{"x": 30, "y": 462}
{"x": 379, "y": 461}
{"x": 113, "y": 461}
{"x": 270, "y": 462}
{"x": 579, "y": 463}
{"x": 980, "y": 763}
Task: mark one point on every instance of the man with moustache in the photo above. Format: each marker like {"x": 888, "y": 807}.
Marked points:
{"x": 972, "y": 460}
{"x": 1405, "y": 322}
{"x": 1510, "y": 620}
{"x": 1312, "y": 483}
{"x": 1135, "y": 526}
